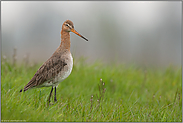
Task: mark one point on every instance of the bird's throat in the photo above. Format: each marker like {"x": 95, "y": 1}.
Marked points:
{"x": 65, "y": 40}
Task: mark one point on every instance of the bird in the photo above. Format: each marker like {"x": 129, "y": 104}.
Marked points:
{"x": 58, "y": 67}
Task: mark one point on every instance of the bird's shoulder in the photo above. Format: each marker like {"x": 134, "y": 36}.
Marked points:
{"x": 49, "y": 69}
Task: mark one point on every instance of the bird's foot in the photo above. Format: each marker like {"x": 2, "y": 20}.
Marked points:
{"x": 51, "y": 103}
{"x": 55, "y": 100}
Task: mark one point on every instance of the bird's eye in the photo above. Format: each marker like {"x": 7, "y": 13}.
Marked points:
{"x": 68, "y": 26}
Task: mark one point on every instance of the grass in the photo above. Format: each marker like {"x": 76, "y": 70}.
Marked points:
{"x": 94, "y": 92}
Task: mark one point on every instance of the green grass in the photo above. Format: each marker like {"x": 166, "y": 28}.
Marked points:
{"x": 127, "y": 93}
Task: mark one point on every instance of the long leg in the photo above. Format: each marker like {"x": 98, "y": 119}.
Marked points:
{"x": 55, "y": 99}
{"x": 50, "y": 94}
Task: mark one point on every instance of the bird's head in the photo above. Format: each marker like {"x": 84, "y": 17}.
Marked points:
{"x": 68, "y": 26}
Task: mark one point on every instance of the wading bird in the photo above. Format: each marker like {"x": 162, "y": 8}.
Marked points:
{"x": 59, "y": 66}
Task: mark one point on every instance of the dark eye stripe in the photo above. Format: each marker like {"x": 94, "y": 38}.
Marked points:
{"x": 68, "y": 26}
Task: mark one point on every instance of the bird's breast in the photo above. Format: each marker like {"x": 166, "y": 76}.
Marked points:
{"x": 66, "y": 71}
{"x": 63, "y": 74}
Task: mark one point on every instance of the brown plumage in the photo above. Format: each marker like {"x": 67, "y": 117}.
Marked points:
{"x": 47, "y": 71}
{"x": 58, "y": 66}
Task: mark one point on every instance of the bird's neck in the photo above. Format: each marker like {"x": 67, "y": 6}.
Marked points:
{"x": 65, "y": 40}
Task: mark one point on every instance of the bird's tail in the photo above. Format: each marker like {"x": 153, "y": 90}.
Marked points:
{"x": 28, "y": 86}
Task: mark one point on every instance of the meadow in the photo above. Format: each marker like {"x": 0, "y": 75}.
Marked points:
{"x": 94, "y": 92}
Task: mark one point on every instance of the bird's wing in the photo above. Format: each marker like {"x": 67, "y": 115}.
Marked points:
{"x": 46, "y": 72}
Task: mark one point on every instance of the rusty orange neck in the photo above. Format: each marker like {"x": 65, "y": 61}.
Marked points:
{"x": 65, "y": 40}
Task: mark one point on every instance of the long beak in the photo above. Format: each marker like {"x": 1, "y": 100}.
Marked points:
{"x": 74, "y": 31}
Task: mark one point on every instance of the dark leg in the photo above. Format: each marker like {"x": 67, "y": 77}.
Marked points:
{"x": 50, "y": 94}
{"x": 55, "y": 99}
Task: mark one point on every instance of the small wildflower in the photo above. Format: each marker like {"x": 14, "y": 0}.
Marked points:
{"x": 91, "y": 98}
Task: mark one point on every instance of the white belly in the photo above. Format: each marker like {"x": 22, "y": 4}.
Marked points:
{"x": 65, "y": 73}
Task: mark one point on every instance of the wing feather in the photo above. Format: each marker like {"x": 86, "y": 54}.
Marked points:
{"x": 46, "y": 72}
